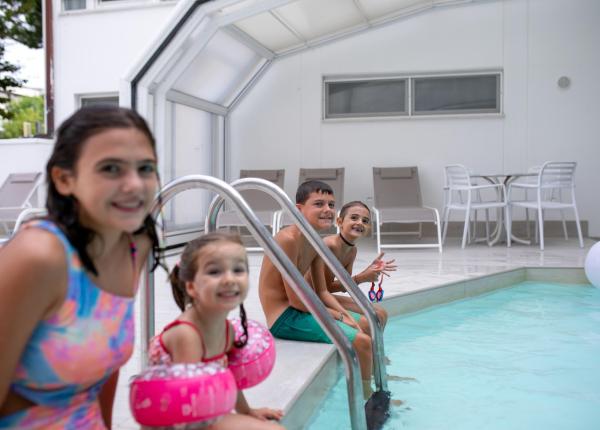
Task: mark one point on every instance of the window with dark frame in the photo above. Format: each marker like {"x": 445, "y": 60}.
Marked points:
{"x": 449, "y": 94}
{"x": 382, "y": 97}
{"x": 95, "y": 101}
{"x": 74, "y": 5}
{"x": 456, "y": 94}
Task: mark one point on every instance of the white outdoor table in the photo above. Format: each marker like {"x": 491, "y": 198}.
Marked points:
{"x": 506, "y": 179}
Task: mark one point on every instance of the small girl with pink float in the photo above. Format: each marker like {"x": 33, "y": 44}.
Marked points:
{"x": 210, "y": 281}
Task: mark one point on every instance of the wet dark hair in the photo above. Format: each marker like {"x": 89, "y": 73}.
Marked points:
{"x": 71, "y": 137}
{"x": 313, "y": 186}
{"x": 186, "y": 269}
{"x": 352, "y": 204}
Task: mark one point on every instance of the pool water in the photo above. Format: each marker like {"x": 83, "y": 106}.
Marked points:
{"x": 524, "y": 357}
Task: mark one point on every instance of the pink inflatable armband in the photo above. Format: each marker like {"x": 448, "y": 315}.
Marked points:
{"x": 180, "y": 394}
{"x": 251, "y": 364}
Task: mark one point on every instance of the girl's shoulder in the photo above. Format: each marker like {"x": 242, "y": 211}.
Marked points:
{"x": 334, "y": 243}
{"x": 183, "y": 341}
{"x": 34, "y": 265}
{"x": 38, "y": 248}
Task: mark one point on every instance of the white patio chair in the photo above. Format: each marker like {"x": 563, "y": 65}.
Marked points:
{"x": 554, "y": 195}
{"x": 397, "y": 199}
{"x": 263, "y": 205}
{"x": 459, "y": 181}
{"x": 472, "y": 233}
{"x": 16, "y": 194}
{"x": 553, "y": 177}
{"x": 334, "y": 177}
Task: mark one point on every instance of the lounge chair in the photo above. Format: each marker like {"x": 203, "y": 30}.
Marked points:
{"x": 263, "y": 205}
{"x": 16, "y": 195}
{"x": 397, "y": 199}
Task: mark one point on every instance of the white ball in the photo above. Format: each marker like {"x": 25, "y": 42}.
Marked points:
{"x": 592, "y": 265}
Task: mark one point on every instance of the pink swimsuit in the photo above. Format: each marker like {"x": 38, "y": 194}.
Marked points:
{"x": 159, "y": 354}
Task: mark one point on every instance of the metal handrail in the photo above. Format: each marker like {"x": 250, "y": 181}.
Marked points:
{"x": 26, "y": 214}
{"x": 325, "y": 253}
{"x": 280, "y": 260}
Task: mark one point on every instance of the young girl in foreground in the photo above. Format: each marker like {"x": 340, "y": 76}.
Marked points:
{"x": 210, "y": 281}
{"x": 68, "y": 281}
{"x": 354, "y": 223}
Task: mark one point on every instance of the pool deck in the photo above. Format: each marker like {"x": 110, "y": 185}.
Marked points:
{"x": 419, "y": 270}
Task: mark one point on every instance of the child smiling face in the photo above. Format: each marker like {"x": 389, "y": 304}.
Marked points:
{"x": 221, "y": 280}
{"x": 114, "y": 180}
{"x": 319, "y": 210}
{"x": 354, "y": 222}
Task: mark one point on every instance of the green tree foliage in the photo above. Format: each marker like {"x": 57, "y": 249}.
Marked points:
{"x": 21, "y": 21}
{"x": 24, "y": 109}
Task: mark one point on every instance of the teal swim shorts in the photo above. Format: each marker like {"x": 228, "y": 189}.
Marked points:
{"x": 296, "y": 325}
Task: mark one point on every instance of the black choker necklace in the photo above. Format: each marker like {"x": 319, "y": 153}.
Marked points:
{"x": 345, "y": 241}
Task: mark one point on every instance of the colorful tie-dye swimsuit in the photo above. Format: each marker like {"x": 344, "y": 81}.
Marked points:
{"x": 72, "y": 353}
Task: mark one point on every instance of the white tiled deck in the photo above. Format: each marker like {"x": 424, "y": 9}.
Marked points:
{"x": 297, "y": 362}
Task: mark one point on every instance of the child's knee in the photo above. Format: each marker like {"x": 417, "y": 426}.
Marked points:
{"x": 382, "y": 315}
{"x": 364, "y": 324}
{"x": 362, "y": 343}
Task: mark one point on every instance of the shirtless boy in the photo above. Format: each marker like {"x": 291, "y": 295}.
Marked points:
{"x": 286, "y": 315}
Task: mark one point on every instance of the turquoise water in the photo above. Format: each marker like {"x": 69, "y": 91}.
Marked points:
{"x": 525, "y": 357}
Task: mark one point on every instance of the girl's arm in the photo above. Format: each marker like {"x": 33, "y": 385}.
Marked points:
{"x": 32, "y": 287}
{"x": 241, "y": 404}
{"x": 336, "y": 286}
{"x": 334, "y": 307}
{"x": 183, "y": 344}
{"x": 375, "y": 269}
{"x": 263, "y": 414}
{"x": 107, "y": 398}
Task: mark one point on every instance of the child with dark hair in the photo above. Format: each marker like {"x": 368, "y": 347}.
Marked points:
{"x": 287, "y": 316}
{"x": 210, "y": 280}
{"x": 354, "y": 223}
{"x": 68, "y": 281}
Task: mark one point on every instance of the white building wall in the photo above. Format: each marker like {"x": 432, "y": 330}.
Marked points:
{"x": 95, "y": 48}
{"x": 534, "y": 42}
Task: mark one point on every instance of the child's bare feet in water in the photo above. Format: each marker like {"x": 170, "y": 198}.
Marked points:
{"x": 396, "y": 402}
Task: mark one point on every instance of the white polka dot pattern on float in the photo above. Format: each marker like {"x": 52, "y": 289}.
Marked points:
{"x": 181, "y": 394}
{"x": 252, "y": 363}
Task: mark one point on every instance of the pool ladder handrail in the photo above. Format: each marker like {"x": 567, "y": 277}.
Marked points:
{"x": 325, "y": 253}
{"x": 280, "y": 260}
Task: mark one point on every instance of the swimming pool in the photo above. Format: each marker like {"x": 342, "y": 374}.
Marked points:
{"x": 524, "y": 357}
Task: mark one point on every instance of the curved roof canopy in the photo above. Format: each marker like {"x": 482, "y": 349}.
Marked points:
{"x": 212, "y": 51}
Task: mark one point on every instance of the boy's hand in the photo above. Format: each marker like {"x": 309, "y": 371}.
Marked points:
{"x": 265, "y": 414}
{"x": 352, "y": 323}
